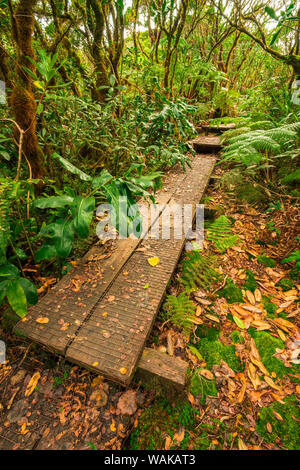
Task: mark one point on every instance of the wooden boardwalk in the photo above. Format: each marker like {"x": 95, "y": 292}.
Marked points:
{"x": 101, "y": 314}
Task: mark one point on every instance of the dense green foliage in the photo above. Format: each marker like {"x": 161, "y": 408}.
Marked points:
{"x": 102, "y": 97}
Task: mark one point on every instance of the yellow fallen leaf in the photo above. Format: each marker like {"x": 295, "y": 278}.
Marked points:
{"x": 271, "y": 383}
{"x": 42, "y": 320}
{"x": 250, "y": 297}
{"x": 207, "y": 374}
{"x": 95, "y": 364}
{"x": 179, "y": 435}
{"x": 259, "y": 364}
{"x": 242, "y": 445}
{"x": 213, "y": 318}
{"x": 113, "y": 427}
{"x": 198, "y": 311}
{"x": 153, "y": 261}
{"x": 32, "y": 384}
{"x": 23, "y": 429}
{"x": 277, "y": 415}
{"x": 281, "y": 335}
{"x": 123, "y": 370}
{"x": 257, "y": 295}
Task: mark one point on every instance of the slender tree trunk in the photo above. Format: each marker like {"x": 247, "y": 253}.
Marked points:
{"x": 22, "y": 99}
{"x": 99, "y": 93}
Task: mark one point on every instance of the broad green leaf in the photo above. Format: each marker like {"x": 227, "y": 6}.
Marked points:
{"x": 3, "y": 289}
{"x": 62, "y": 236}
{"x": 239, "y": 322}
{"x": 82, "y": 211}
{"x": 17, "y": 298}
{"x": 102, "y": 179}
{"x": 29, "y": 290}
{"x": 54, "y": 202}
{"x": 44, "y": 253}
{"x": 72, "y": 168}
{"x": 9, "y": 271}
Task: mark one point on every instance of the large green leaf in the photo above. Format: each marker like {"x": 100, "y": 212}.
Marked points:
{"x": 62, "y": 237}
{"x": 53, "y": 202}
{"x": 3, "y": 290}
{"x": 82, "y": 211}
{"x": 9, "y": 271}
{"x": 72, "y": 168}
{"x": 17, "y": 298}
{"x": 126, "y": 210}
{"x": 29, "y": 290}
{"x": 102, "y": 179}
{"x": 44, "y": 253}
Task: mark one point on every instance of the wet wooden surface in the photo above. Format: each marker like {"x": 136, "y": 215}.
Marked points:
{"x": 101, "y": 314}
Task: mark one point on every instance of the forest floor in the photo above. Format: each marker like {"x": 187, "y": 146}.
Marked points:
{"x": 244, "y": 378}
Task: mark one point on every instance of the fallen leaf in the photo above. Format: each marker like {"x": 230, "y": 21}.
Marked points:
{"x": 271, "y": 383}
{"x": 269, "y": 428}
{"x": 113, "y": 427}
{"x": 24, "y": 430}
{"x": 257, "y": 295}
{"x": 123, "y": 370}
{"x": 250, "y": 297}
{"x": 242, "y": 445}
{"x": 32, "y": 384}
{"x": 179, "y": 435}
{"x": 168, "y": 443}
{"x": 42, "y": 320}
{"x": 207, "y": 374}
{"x": 153, "y": 261}
{"x": 212, "y": 317}
{"x": 239, "y": 322}
{"x": 127, "y": 403}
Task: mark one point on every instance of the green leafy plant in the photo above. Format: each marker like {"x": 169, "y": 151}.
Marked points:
{"x": 221, "y": 234}
{"x": 294, "y": 256}
{"x": 198, "y": 272}
{"x": 180, "y": 311}
{"x": 18, "y": 290}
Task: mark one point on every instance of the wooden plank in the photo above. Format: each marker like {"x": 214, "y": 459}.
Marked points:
{"x": 111, "y": 341}
{"x": 217, "y": 129}
{"x": 159, "y": 370}
{"x": 206, "y": 144}
{"x": 69, "y": 303}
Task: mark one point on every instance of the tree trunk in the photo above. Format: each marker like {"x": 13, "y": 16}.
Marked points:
{"x": 99, "y": 93}
{"x": 22, "y": 99}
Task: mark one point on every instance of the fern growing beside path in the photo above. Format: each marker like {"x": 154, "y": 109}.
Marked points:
{"x": 220, "y": 233}
{"x": 198, "y": 272}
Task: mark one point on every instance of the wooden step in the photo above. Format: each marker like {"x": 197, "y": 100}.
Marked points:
{"x": 216, "y": 129}
{"x": 206, "y": 145}
{"x": 161, "y": 371}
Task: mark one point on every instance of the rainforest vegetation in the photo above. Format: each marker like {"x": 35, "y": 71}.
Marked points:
{"x": 100, "y": 99}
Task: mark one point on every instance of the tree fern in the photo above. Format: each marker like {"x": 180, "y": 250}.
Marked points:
{"x": 198, "y": 272}
{"x": 220, "y": 233}
{"x": 249, "y": 145}
{"x": 180, "y": 311}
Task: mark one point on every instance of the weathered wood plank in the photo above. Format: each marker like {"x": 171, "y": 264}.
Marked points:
{"x": 216, "y": 129}
{"x": 161, "y": 370}
{"x": 111, "y": 341}
{"x": 206, "y": 145}
{"x": 69, "y": 303}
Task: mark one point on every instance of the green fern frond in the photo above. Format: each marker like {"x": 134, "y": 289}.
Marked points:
{"x": 233, "y": 133}
{"x": 198, "y": 272}
{"x": 221, "y": 234}
{"x": 180, "y": 311}
{"x": 261, "y": 125}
